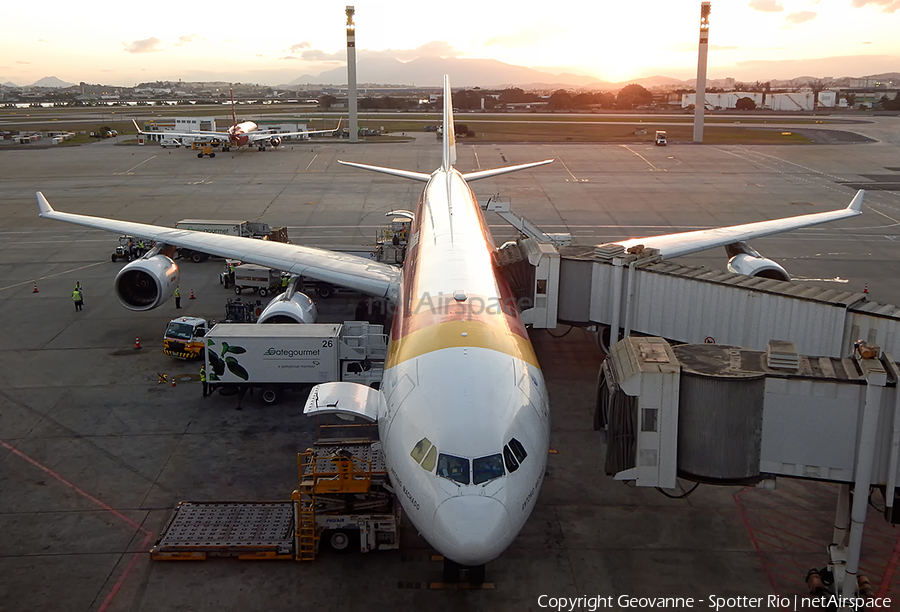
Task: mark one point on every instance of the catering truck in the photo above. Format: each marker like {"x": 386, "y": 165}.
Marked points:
{"x": 247, "y": 229}
{"x": 281, "y": 357}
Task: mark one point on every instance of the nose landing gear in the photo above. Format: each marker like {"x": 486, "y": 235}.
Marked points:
{"x": 454, "y": 573}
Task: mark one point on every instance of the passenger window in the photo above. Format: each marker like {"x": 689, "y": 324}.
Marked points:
{"x": 487, "y": 468}
{"x": 428, "y": 464}
{"x": 453, "y": 468}
{"x": 518, "y": 450}
{"x": 511, "y": 463}
{"x": 420, "y": 449}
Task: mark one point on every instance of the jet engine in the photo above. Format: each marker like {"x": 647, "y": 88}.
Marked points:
{"x": 274, "y": 141}
{"x": 744, "y": 263}
{"x": 145, "y": 284}
{"x": 289, "y": 307}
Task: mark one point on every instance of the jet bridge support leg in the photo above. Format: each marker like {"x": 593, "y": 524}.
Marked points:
{"x": 845, "y": 552}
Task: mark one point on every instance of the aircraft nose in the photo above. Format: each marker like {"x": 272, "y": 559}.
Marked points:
{"x": 473, "y": 529}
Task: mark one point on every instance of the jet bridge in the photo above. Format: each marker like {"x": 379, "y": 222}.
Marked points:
{"x": 595, "y": 286}
{"x": 727, "y": 415}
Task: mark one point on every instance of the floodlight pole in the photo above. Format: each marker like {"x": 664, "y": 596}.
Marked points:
{"x": 351, "y": 75}
{"x": 700, "y": 96}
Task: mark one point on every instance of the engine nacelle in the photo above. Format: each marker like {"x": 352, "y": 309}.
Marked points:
{"x": 275, "y": 141}
{"x": 298, "y": 309}
{"x": 147, "y": 283}
{"x": 744, "y": 263}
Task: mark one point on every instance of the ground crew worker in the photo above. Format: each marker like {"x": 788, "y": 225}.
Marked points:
{"x": 78, "y": 299}
{"x": 140, "y": 248}
{"x": 177, "y": 297}
{"x": 203, "y": 380}
{"x": 285, "y": 279}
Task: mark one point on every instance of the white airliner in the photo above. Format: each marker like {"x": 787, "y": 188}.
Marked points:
{"x": 463, "y": 411}
{"x": 242, "y": 134}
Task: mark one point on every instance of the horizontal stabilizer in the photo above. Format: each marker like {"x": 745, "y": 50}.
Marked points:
{"x": 416, "y": 176}
{"x": 480, "y": 174}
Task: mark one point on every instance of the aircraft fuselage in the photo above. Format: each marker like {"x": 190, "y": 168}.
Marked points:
{"x": 467, "y": 428}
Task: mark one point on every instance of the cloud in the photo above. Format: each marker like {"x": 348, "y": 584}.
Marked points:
{"x": 766, "y": 6}
{"x": 20, "y": 62}
{"x": 887, "y": 6}
{"x": 188, "y": 39}
{"x": 723, "y": 47}
{"x": 524, "y": 37}
{"x": 148, "y": 45}
{"x": 315, "y": 55}
{"x": 288, "y": 57}
{"x": 42, "y": 40}
{"x": 801, "y": 17}
{"x": 435, "y": 48}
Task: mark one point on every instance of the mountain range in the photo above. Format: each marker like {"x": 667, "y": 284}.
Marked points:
{"x": 486, "y": 73}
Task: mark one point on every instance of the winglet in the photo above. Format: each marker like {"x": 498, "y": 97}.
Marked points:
{"x": 856, "y": 202}
{"x": 139, "y": 130}
{"x": 43, "y": 204}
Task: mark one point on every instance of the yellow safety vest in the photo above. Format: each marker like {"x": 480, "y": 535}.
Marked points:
{"x": 177, "y": 292}
{"x": 202, "y": 374}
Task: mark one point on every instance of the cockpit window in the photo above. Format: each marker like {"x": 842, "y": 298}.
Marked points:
{"x": 420, "y": 449}
{"x": 430, "y": 458}
{"x": 512, "y": 464}
{"x": 518, "y": 450}
{"x": 454, "y": 468}
{"x": 487, "y": 468}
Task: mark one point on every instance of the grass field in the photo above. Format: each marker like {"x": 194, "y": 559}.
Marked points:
{"x": 524, "y": 127}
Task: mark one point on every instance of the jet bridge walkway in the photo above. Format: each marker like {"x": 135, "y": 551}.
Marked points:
{"x": 638, "y": 294}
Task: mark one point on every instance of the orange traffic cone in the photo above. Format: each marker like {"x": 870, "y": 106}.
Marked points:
{"x": 865, "y": 290}
{"x": 35, "y": 288}
{"x": 137, "y": 343}
{"x": 192, "y": 295}
{"x": 173, "y": 380}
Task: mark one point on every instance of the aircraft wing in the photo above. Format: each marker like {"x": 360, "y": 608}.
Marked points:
{"x": 371, "y": 278}
{"x": 265, "y": 135}
{"x": 685, "y": 243}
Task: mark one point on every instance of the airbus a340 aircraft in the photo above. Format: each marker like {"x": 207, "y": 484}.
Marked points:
{"x": 463, "y": 412}
{"x": 242, "y": 134}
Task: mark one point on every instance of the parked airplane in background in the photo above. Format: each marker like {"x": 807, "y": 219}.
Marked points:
{"x": 463, "y": 412}
{"x": 242, "y": 134}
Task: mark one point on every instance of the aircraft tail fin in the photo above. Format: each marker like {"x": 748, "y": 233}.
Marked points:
{"x": 448, "y": 157}
{"x": 856, "y": 202}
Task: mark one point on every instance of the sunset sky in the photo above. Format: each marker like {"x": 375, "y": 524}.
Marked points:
{"x": 124, "y": 43}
